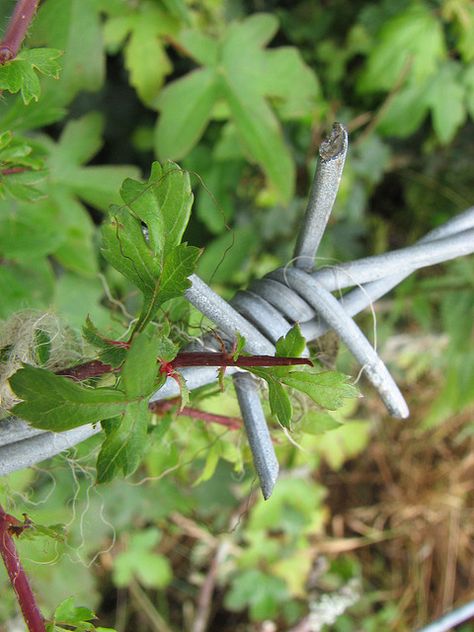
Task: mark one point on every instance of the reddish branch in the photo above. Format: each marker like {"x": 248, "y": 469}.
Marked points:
{"x": 95, "y": 368}
{"x": 18, "y": 578}
{"x": 226, "y": 359}
{"x": 17, "y": 27}
{"x": 160, "y": 408}
{"x": 12, "y": 170}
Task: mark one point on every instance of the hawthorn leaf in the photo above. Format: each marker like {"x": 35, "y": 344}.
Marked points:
{"x": 56, "y": 403}
{"x": 446, "y": 100}
{"x": 77, "y": 251}
{"x": 29, "y": 229}
{"x": 261, "y": 135}
{"x": 280, "y": 403}
{"x": 25, "y": 284}
{"x": 80, "y": 141}
{"x": 142, "y": 31}
{"x": 186, "y": 108}
{"x": 172, "y": 282}
{"x": 317, "y": 422}
{"x": 291, "y": 345}
{"x": 139, "y": 372}
{"x": 125, "y": 442}
{"x": 70, "y": 614}
{"x": 145, "y": 55}
{"x": 74, "y": 27}
{"x": 109, "y": 354}
{"x": 236, "y": 76}
{"x": 289, "y": 82}
{"x": 125, "y": 248}
{"x": 328, "y": 388}
{"x": 411, "y": 43}
{"x": 201, "y": 47}
{"x": 406, "y": 111}
{"x": 163, "y": 202}
{"x": 19, "y": 74}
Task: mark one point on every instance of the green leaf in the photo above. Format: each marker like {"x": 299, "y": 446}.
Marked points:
{"x": 77, "y": 251}
{"x": 238, "y": 70}
{"x": 77, "y": 297}
{"x": 139, "y": 561}
{"x": 178, "y": 266}
{"x": 19, "y": 73}
{"x": 163, "y": 202}
{"x": 186, "y": 108}
{"x": 28, "y": 284}
{"x": 139, "y": 373}
{"x": 70, "y": 614}
{"x": 142, "y": 30}
{"x": 446, "y": 100}
{"x": 42, "y": 346}
{"x": 280, "y": 404}
{"x": 317, "y": 422}
{"x": 29, "y": 230}
{"x": 291, "y": 345}
{"x": 262, "y": 593}
{"x": 406, "y": 111}
{"x": 239, "y": 346}
{"x": 290, "y": 83}
{"x": 125, "y": 248}
{"x": 72, "y": 26}
{"x": 156, "y": 263}
{"x": 56, "y": 403}
{"x": 109, "y": 353}
{"x": 261, "y": 135}
{"x": 44, "y": 60}
{"x": 80, "y": 141}
{"x": 328, "y": 389}
{"x": 145, "y": 56}
{"x": 125, "y": 443}
{"x": 410, "y": 44}
{"x": 227, "y": 254}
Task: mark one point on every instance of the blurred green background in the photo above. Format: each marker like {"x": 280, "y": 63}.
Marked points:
{"x": 370, "y": 526}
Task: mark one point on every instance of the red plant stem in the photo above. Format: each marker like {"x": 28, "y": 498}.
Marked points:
{"x": 95, "y": 368}
{"x": 18, "y": 577}
{"x": 159, "y": 408}
{"x": 17, "y": 27}
{"x": 12, "y": 170}
{"x": 186, "y": 358}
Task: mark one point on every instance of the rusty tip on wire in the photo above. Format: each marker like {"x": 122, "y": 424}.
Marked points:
{"x": 335, "y": 144}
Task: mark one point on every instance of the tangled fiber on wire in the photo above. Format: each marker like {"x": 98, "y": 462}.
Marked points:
{"x": 37, "y": 338}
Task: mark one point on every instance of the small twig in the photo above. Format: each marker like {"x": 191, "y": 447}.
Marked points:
{"x": 161, "y": 407}
{"x": 204, "y": 601}
{"x": 12, "y": 170}
{"x": 93, "y": 368}
{"x": 17, "y": 28}
{"x": 17, "y": 575}
{"x": 158, "y": 624}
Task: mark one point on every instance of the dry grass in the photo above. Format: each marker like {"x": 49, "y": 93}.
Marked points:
{"x": 412, "y": 493}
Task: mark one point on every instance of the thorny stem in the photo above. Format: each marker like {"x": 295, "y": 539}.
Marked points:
{"x": 161, "y": 407}
{"x": 17, "y": 27}
{"x": 95, "y": 368}
{"x": 17, "y": 575}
